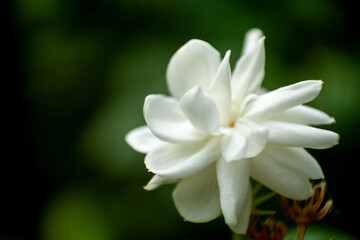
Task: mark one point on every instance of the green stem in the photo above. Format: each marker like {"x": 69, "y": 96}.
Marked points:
{"x": 238, "y": 236}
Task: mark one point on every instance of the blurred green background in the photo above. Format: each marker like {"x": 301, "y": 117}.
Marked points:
{"x": 77, "y": 73}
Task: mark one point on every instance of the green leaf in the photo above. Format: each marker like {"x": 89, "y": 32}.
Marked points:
{"x": 265, "y": 212}
{"x": 261, "y": 199}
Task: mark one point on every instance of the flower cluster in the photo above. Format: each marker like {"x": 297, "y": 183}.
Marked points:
{"x": 218, "y": 129}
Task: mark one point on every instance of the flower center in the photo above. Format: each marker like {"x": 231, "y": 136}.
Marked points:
{"x": 238, "y": 109}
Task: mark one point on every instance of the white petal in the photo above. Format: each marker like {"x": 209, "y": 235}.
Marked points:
{"x": 182, "y": 160}
{"x": 156, "y": 181}
{"x": 289, "y": 183}
{"x": 277, "y": 101}
{"x": 233, "y": 179}
{"x": 167, "y": 122}
{"x": 193, "y": 64}
{"x": 248, "y": 73}
{"x": 296, "y": 135}
{"x": 244, "y": 215}
{"x": 246, "y": 140}
{"x": 251, "y": 38}
{"x": 142, "y": 140}
{"x": 220, "y": 89}
{"x": 197, "y": 197}
{"x": 200, "y": 109}
{"x": 297, "y": 159}
{"x": 304, "y": 115}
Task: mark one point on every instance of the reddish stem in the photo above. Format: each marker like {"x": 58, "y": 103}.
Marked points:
{"x": 301, "y": 228}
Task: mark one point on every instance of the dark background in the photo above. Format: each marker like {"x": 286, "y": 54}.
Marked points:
{"x": 77, "y": 72}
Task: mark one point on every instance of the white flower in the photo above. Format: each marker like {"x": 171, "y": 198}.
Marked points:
{"x": 217, "y": 130}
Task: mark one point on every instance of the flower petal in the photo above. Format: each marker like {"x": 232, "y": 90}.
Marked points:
{"x": 167, "y": 122}
{"x": 296, "y": 135}
{"x": 304, "y": 115}
{"x": 142, "y": 140}
{"x": 297, "y": 159}
{"x": 182, "y": 160}
{"x": 233, "y": 179}
{"x": 246, "y": 140}
{"x": 285, "y": 181}
{"x": 220, "y": 89}
{"x": 244, "y": 215}
{"x": 200, "y": 109}
{"x": 249, "y": 72}
{"x": 193, "y": 64}
{"x": 251, "y": 39}
{"x": 197, "y": 197}
{"x": 156, "y": 181}
{"x": 277, "y": 101}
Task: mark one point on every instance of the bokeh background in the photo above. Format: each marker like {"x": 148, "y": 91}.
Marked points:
{"x": 76, "y": 75}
